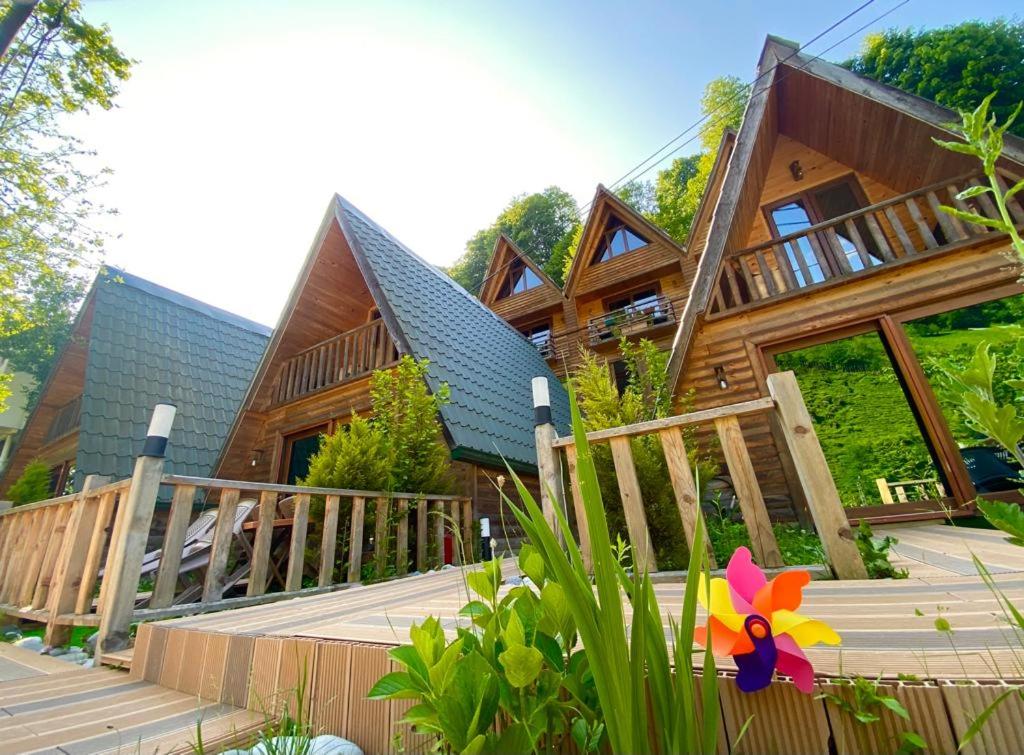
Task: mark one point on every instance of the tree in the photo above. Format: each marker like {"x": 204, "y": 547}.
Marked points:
{"x": 956, "y": 66}
{"x": 535, "y": 222}
{"x": 670, "y": 188}
{"x": 639, "y": 195}
{"x": 33, "y": 485}
{"x": 57, "y": 65}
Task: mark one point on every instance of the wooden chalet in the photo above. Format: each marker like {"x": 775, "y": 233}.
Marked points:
{"x": 135, "y": 344}
{"x": 360, "y": 301}
{"x": 628, "y": 278}
{"x": 825, "y": 225}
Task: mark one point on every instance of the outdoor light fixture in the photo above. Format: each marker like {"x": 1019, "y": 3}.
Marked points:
{"x": 796, "y": 170}
{"x": 541, "y": 401}
{"x": 720, "y": 377}
{"x": 486, "y": 543}
{"x": 159, "y": 430}
{"x": 257, "y": 457}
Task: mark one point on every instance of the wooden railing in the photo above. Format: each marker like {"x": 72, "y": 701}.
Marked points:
{"x": 350, "y": 355}
{"x": 904, "y": 227}
{"x": 88, "y": 559}
{"x": 630, "y": 320}
{"x": 65, "y": 420}
{"x": 818, "y": 488}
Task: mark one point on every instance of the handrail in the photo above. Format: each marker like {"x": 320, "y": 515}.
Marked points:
{"x": 351, "y": 332}
{"x": 603, "y": 326}
{"x": 858, "y": 213}
{"x": 681, "y": 420}
{"x": 112, "y": 487}
{"x": 268, "y": 487}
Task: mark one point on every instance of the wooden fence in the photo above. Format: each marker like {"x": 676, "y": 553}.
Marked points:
{"x": 77, "y": 560}
{"x": 808, "y": 461}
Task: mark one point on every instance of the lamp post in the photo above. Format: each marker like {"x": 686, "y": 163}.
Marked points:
{"x": 131, "y": 533}
{"x": 549, "y": 466}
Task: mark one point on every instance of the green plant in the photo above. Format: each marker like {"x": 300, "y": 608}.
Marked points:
{"x": 983, "y": 138}
{"x": 33, "y": 485}
{"x": 875, "y": 552}
{"x": 865, "y": 704}
{"x": 799, "y": 547}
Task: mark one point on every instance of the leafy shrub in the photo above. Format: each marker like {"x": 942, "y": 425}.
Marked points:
{"x": 646, "y": 397}
{"x": 33, "y": 485}
{"x": 875, "y": 552}
{"x": 799, "y": 547}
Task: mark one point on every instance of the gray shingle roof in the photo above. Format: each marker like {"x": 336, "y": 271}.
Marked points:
{"x": 148, "y": 345}
{"x": 487, "y": 364}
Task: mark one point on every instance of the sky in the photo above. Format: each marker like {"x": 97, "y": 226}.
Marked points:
{"x": 243, "y": 117}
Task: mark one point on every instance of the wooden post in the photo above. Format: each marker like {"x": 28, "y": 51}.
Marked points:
{"x": 548, "y": 462}
{"x": 71, "y": 563}
{"x": 822, "y": 497}
{"x": 467, "y": 530}
{"x": 261, "y": 544}
{"x": 402, "y": 538}
{"x": 220, "y": 550}
{"x": 380, "y": 536}
{"x": 456, "y": 533}
{"x": 883, "y": 490}
{"x": 33, "y": 552}
{"x": 98, "y": 539}
{"x": 174, "y": 541}
{"x": 297, "y": 547}
{"x": 422, "y": 509}
{"x": 744, "y": 482}
{"x": 355, "y": 545}
{"x": 684, "y": 487}
{"x": 633, "y": 505}
{"x": 54, "y": 546}
{"x": 439, "y": 531}
{"x": 329, "y": 540}
{"x": 582, "y": 531}
{"x": 128, "y": 548}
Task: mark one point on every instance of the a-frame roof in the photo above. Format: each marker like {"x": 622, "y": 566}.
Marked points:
{"x": 487, "y": 364}
{"x": 504, "y": 253}
{"x": 606, "y": 202}
{"x": 783, "y": 68}
{"x": 140, "y": 344}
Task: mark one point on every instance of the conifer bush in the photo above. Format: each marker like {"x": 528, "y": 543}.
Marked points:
{"x": 32, "y": 486}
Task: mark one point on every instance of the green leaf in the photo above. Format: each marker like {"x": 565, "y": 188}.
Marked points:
{"x": 1017, "y": 187}
{"x": 468, "y": 707}
{"x": 397, "y": 684}
{"x": 942, "y": 625}
{"x": 973, "y": 191}
{"x": 515, "y": 738}
{"x": 1000, "y": 423}
{"x": 865, "y": 717}
{"x": 421, "y": 714}
{"x": 480, "y": 582}
{"x": 964, "y": 149}
{"x": 533, "y": 567}
{"x": 918, "y": 612}
{"x": 1007, "y": 517}
{"x": 522, "y": 665}
{"x": 476, "y": 745}
{"x": 439, "y": 671}
{"x": 978, "y": 723}
{"x": 409, "y": 657}
{"x": 971, "y": 217}
{"x": 913, "y": 739}
{"x": 551, "y": 650}
{"x": 552, "y": 602}
{"x": 895, "y": 706}
{"x": 513, "y": 632}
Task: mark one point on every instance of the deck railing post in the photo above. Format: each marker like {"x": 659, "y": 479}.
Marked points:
{"x": 548, "y": 460}
{"x": 130, "y": 545}
{"x": 812, "y": 469}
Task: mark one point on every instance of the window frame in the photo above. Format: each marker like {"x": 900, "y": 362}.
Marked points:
{"x": 609, "y": 233}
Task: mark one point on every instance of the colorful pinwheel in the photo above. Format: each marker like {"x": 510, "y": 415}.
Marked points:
{"x": 755, "y": 621}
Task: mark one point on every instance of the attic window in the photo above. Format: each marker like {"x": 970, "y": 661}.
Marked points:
{"x": 520, "y": 278}
{"x": 618, "y": 239}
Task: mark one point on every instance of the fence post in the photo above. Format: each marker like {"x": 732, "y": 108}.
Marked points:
{"x": 72, "y": 559}
{"x": 582, "y": 527}
{"x": 812, "y": 469}
{"x": 130, "y": 544}
{"x": 548, "y": 462}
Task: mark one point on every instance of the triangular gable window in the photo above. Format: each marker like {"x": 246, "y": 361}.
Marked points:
{"x": 520, "y": 278}
{"x": 617, "y": 239}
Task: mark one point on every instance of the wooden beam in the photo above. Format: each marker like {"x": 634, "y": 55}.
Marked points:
{"x": 582, "y": 526}
{"x": 223, "y": 534}
{"x": 684, "y": 487}
{"x": 744, "y": 482}
{"x": 355, "y": 546}
{"x": 439, "y": 531}
{"x": 174, "y": 541}
{"x": 380, "y": 535}
{"x": 467, "y": 530}
{"x": 402, "y": 539}
{"x": 297, "y": 547}
{"x": 329, "y": 540}
{"x": 261, "y": 544}
{"x": 422, "y": 509}
{"x": 633, "y": 505}
{"x": 819, "y": 488}
{"x": 97, "y": 542}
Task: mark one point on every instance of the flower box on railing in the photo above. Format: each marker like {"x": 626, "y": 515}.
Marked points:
{"x": 630, "y": 321}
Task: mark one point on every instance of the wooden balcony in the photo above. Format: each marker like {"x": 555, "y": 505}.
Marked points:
{"x": 897, "y": 230}
{"x": 66, "y": 420}
{"x": 631, "y": 320}
{"x": 348, "y": 356}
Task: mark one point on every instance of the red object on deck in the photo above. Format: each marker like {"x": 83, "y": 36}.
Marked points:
{"x": 448, "y": 548}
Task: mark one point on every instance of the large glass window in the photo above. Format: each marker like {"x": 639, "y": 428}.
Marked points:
{"x": 298, "y": 450}
{"x": 617, "y": 239}
{"x": 520, "y": 278}
{"x": 944, "y": 345}
{"x": 869, "y": 432}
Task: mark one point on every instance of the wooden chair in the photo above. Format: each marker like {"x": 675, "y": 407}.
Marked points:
{"x": 900, "y": 488}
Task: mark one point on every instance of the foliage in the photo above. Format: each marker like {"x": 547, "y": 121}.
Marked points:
{"x": 983, "y": 138}
{"x": 645, "y": 397}
{"x": 1007, "y": 517}
{"x": 674, "y": 213}
{"x": 875, "y": 552}
{"x": 537, "y": 223}
{"x": 33, "y": 485}
{"x": 58, "y": 65}
{"x": 799, "y": 547}
{"x": 639, "y": 195}
{"x": 955, "y": 65}
{"x": 356, "y": 456}
{"x": 865, "y": 704}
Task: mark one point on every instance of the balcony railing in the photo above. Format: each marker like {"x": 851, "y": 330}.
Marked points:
{"x": 67, "y": 419}
{"x": 907, "y": 226}
{"x": 350, "y": 355}
{"x": 630, "y": 320}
